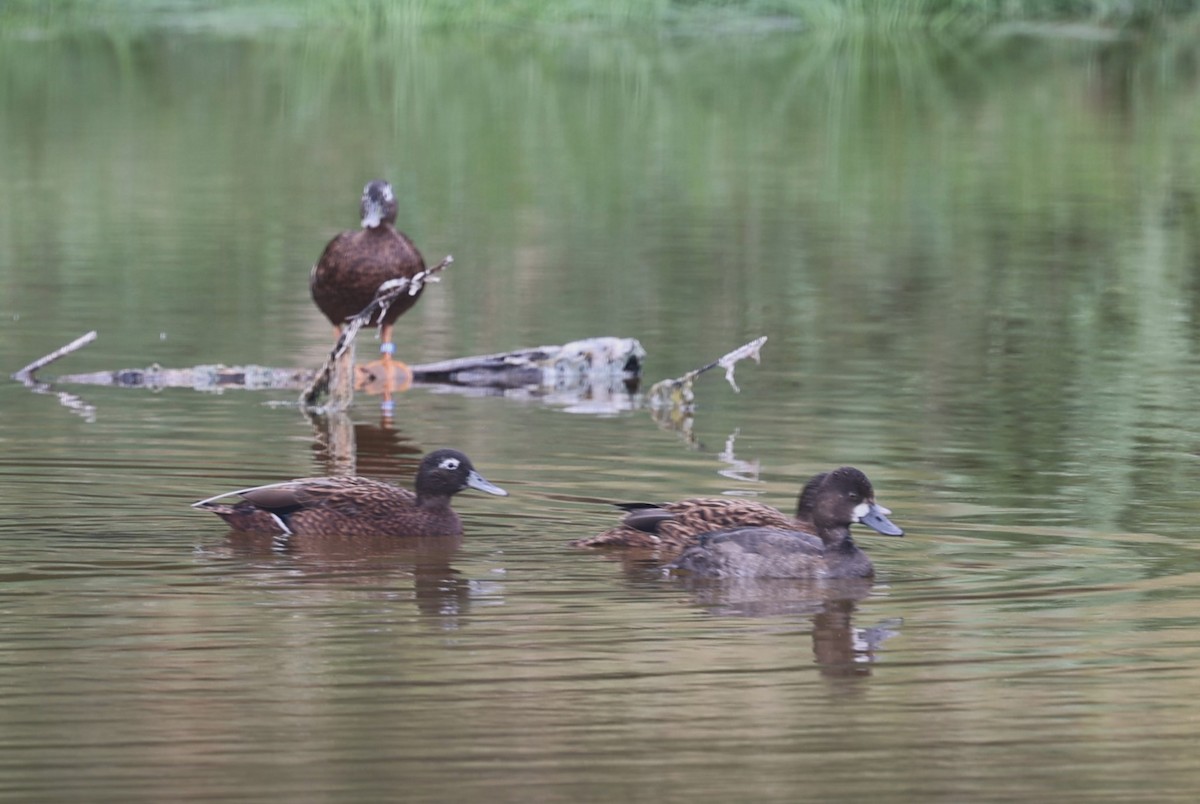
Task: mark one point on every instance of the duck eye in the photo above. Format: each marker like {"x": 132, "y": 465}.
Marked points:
{"x": 448, "y": 463}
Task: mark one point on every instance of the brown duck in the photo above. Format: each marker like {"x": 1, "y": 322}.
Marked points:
{"x": 677, "y": 525}
{"x": 356, "y": 505}
{"x": 356, "y": 263}
{"x": 843, "y": 497}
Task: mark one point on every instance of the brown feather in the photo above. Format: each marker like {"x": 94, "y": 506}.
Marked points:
{"x": 355, "y": 264}
{"x": 678, "y": 525}
{"x": 688, "y": 520}
{"x": 352, "y": 506}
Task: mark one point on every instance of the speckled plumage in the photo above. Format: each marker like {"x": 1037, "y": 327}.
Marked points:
{"x": 677, "y": 525}
{"x": 355, "y": 263}
{"x": 844, "y": 497}
{"x": 357, "y": 505}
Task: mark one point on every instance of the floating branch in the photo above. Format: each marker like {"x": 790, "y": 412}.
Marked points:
{"x": 26, "y": 375}
{"x": 569, "y": 365}
{"x": 215, "y": 378}
{"x": 593, "y": 376}
{"x": 728, "y": 361}
{"x": 541, "y": 369}
{"x": 679, "y": 394}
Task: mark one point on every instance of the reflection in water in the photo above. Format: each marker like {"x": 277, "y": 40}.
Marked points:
{"x": 379, "y": 564}
{"x": 912, "y": 223}
{"x": 839, "y": 648}
{"x": 737, "y": 468}
{"x": 346, "y": 447}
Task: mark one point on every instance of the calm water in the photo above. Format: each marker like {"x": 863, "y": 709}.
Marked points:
{"x": 978, "y": 264}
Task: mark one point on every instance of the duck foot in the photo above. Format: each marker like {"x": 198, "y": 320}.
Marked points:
{"x": 384, "y": 376}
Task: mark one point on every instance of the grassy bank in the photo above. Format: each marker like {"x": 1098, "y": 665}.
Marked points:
{"x": 48, "y": 16}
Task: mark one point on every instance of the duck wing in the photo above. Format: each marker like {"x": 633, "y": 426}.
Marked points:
{"x": 348, "y": 496}
{"x": 678, "y": 524}
{"x": 704, "y": 514}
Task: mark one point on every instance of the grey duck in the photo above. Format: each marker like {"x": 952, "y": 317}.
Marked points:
{"x": 844, "y": 497}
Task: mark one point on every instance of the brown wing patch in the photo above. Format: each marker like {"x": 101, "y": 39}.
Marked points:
{"x": 681, "y": 523}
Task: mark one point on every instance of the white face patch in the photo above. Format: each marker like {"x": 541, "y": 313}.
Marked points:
{"x": 387, "y": 193}
{"x": 449, "y": 463}
{"x": 861, "y": 510}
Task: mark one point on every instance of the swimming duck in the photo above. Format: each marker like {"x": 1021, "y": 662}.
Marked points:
{"x": 843, "y": 497}
{"x": 357, "y": 505}
{"x": 679, "y": 524}
{"x": 355, "y": 263}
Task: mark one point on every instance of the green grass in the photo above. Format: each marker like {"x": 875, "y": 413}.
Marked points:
{"x": 44, "y": 17}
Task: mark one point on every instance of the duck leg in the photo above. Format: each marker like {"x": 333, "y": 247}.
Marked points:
{"x": 397, "y": 376}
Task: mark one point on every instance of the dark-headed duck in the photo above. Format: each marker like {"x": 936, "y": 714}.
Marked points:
{"x": 355, "y": 505}
{"x": 842, "y": 498}
{"x": 355, "y": 263}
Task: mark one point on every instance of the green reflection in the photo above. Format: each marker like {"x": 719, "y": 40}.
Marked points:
{"x": 992, "y": 241}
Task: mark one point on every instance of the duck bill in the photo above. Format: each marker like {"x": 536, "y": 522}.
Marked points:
{"x": 478, "y": 481}
{"x": 876, "y": 519}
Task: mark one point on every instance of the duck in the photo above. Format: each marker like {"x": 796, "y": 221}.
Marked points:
{"x": 842, "y": 498}
{"x": 355, "y": 263}
{"x": 677, "y": 525}
{"x": 352, "y": 505}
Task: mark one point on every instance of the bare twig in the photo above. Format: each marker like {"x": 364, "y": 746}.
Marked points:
{"x": 678, "y": 393}
{"x": 26, "y": 375}
{"x": 385, "y": 296}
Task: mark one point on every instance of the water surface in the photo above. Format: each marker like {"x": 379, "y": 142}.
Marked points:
{"x": 977, "y": 265}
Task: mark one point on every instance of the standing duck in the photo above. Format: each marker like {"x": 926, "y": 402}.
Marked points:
{"x": 677, "y": 525}
{"x": 355, "y": 263}
{"x": 357, "y": 506}
{"x": 844, "y": 497}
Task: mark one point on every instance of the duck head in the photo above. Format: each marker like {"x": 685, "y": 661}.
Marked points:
{"x": 445, "y": 472}
{"x": 845, "y": 497}
{"x": 378, "y": 205}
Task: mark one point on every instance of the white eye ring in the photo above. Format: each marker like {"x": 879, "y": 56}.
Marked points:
{"x": 449, "y": 463}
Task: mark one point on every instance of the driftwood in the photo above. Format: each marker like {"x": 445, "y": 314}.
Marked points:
{"x": 678, "y": 392}
{"x": 551, "y": 367}
{"x": 28, "y": 377}
{"x": 673, "y": 402}
{"x": 598, "y": 376}
{"x": 592, "y": 375}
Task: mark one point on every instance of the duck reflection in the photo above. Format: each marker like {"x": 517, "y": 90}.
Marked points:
{"x": 841, "y": 649}
{"x": 342, "y": 446}
{"x": 375, "y": 564}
